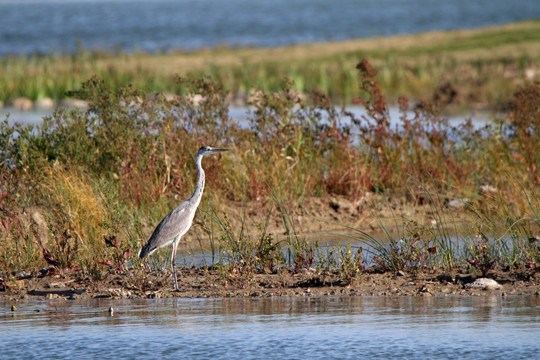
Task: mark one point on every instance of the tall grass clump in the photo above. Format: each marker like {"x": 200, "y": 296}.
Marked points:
{"x": 504, "y": 240}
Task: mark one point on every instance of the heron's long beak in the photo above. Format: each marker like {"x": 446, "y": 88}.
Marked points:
{"x": 216, "y": 150}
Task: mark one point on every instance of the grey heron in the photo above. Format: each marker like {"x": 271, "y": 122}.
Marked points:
{"x": 176, "y": 223}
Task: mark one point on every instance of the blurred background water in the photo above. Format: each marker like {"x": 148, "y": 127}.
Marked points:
{"x": 52, "y": 26}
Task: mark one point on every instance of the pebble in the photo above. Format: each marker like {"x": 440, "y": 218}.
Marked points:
{"x": 457, "y": 203}
{"x": 23, "y": 275}
{"x": 487, "y": 189}
{"x": 484, "y": 284}
{"x": 122, "y": 293}
{"x": 56, "y": 285}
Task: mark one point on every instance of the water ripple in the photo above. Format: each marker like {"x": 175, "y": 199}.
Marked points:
{"x": 440, "y": 327}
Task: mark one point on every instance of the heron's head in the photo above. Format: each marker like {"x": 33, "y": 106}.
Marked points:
{"x": 208, "y": 150}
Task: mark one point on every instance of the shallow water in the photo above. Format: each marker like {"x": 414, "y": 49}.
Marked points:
{"x": 371, "y": 328}
{"x": 241, "y": 115}
{"x": 48, "y": 26}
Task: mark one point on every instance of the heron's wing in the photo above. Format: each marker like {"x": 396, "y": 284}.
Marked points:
{"x": 173, "y": 224}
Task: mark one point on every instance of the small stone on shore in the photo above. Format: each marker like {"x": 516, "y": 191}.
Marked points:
{"x": 484, "y": 284}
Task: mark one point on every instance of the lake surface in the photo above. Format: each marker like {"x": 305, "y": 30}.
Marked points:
{"x": 32, "y": 26}
{"x": 275, "y": 328}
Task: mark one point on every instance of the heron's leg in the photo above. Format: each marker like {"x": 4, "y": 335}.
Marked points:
{"x": 173, "y": 256}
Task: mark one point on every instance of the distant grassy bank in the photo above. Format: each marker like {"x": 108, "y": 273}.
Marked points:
{"x": 466, "y": 69}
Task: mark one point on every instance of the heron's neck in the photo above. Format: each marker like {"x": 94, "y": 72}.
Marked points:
{"x": 197, "y": 194}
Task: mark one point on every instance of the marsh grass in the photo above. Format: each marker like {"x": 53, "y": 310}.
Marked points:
{"x": 514, "y": 229}
{"x": 405, "y": 245}
{"x": 503, "y": 240}
{"x": 256, "y": 250}
{"x": 238, "y": 255}
{"x": 84, "y": 188}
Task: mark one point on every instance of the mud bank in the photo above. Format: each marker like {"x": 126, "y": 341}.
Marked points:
{"x": 210, "y": 282}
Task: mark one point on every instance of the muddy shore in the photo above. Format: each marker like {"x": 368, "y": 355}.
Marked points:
{"x": 208, "y": 282}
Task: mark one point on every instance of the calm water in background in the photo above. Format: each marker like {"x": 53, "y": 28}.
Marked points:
{"x": 32, "y": 26}
{"x": 242, "y": 116}
{"x": 279, "y": 328}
